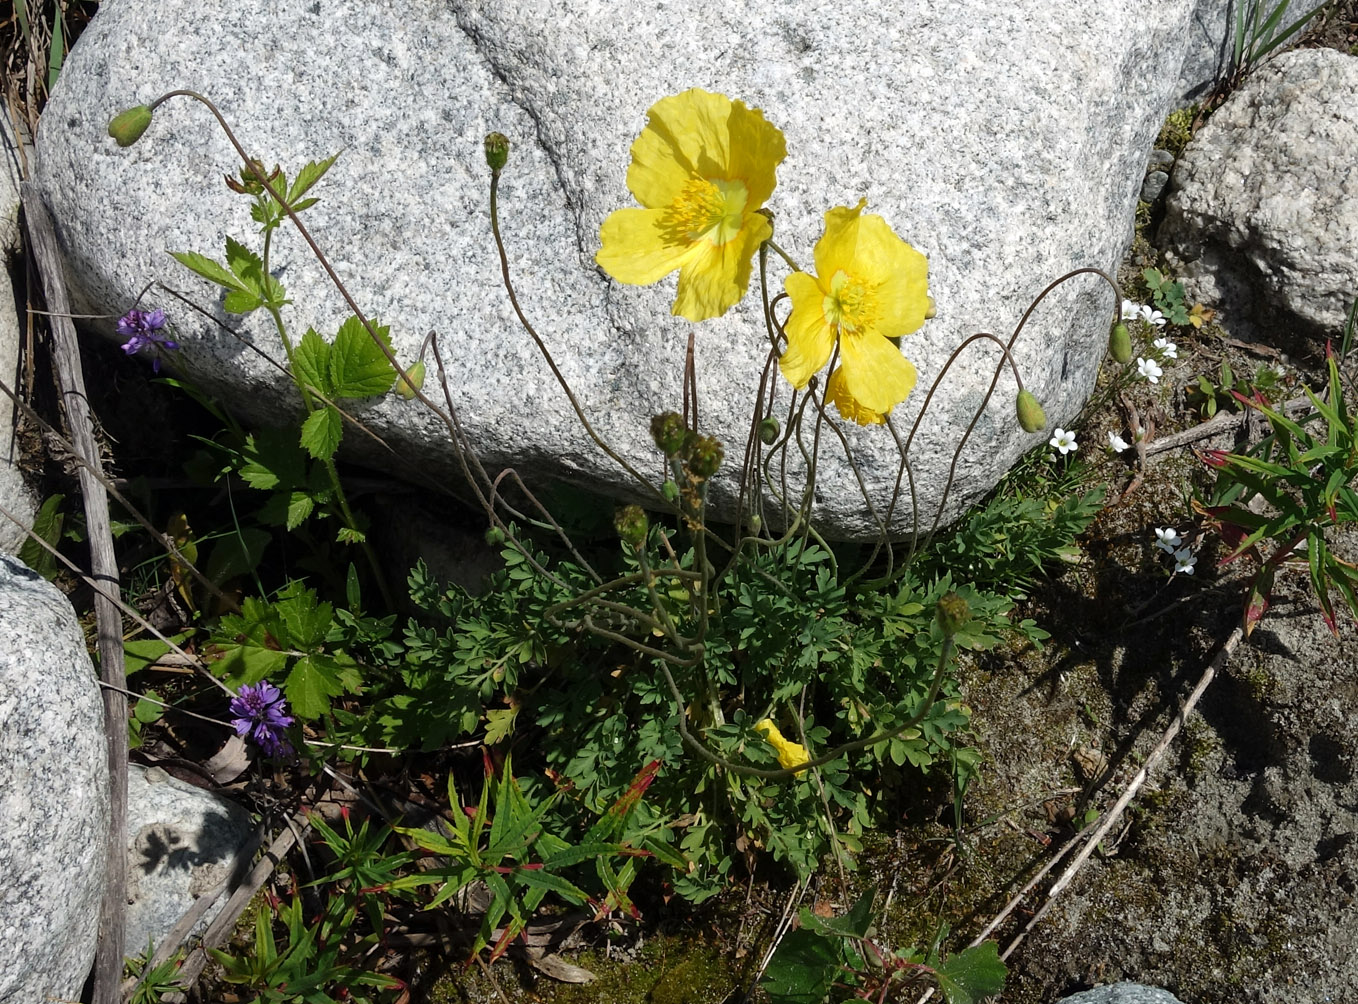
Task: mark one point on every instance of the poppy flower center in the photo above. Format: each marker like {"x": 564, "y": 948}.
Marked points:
{"x": 710, "y": 209}
{"x": 850, "y": 305}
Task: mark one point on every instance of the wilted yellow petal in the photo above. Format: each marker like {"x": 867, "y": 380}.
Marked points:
{"x": 790, "y": 754}
{"x": 849, "y": 408}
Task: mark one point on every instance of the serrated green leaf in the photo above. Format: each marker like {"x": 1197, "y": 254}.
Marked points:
{"x": 300, "y": 506}
{"x": 273, "y": 459}
{"x": 972, "y": 974}
{"x": 207, "y": 268}
{"x": 242, "y": 261}
{"x": 241, "y": 301}
{"x": 311, "y": 173}
{"x": 803, "y": 970}
{"x": 322, "y": 431}
{"x": 309, "y": 688}
{"x": 311, "y": 363}
{"x": 358, "y": 366}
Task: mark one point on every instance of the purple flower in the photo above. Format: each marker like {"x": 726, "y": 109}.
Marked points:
{"x": 142, "y": 332}
{"x": 260, "y": 712}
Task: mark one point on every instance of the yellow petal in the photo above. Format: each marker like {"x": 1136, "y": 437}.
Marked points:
{"x": 635, "y": 249}
{"x": 715, "y": 276}
{"x": 687, "y": 135}
{"x": 876, "y": 375}
{"x": 849, "y": 408}
{"x": 810, "y": 338}
{"x": 838, "y": 246}
{"x": 757, "y": 148}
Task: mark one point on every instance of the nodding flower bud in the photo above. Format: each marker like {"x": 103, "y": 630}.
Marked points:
{"x": 631, "y": 523}
{"x": 768, "y": 431}
{"x": 250, "y": 174}
{"x": 668, "y": 431}
{"x": 670, "y": 490}
{"x": 494, "y": 536}
{"x": 704, "y": 455}
{"x": 127, "y": 127}
{"x": 497, "y": 150}
{"x": 1120, "y": 343}
{"x": 933, "y": 309}
{"x": 952, "y": 613}
{"x": 1030, "y": 414}
{"x": 413, "y": 379}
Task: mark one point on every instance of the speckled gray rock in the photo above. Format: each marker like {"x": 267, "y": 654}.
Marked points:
{"x": 1263, "y": 211}
{"x": 1007, "y": 165}
{"x": 53, "y": 793}
{"x": 1122, "y": 993}
{"x": 181, "y": 841}
{"x": 1211, "y": 35}
{"x": 14, "y": 496}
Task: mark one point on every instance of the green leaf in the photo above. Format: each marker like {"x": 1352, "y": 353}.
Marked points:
{"x": 803, "y": 970}
{"x": 139, "y": 654}
{"x": 358, "y": 366}
{"x": 241, "y": 301}
{"x": 972, "y": 974}
{"x": 273, "y": 459}
{"x": 310, "y": 686}
{"x": 47, "y": 524}
{"x": 499, "y": 725}
{"x": 322, "y": 431}
{"x": 208, "y": 269}
{"x": 311, "y": 363}
{"x": 300, "y": 506}
{"x": 311, "y": 173}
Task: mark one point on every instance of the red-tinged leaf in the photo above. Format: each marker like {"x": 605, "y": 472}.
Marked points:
{"x": 1215, "y": 458}
{"x": 1256, "y": 605}
{"x": 636, "y": 789}
{"x": 1334, "y": 514}
{"x": 487, "y": 766}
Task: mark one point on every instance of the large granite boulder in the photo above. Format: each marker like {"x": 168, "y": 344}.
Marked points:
{"x": 53, "y": 793}
{"x": 1264, "y": 208}
{"x": 1006, "y": 142}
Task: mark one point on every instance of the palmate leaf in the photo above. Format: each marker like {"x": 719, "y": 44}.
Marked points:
{"x": 358, "y": 366}
{"x": 314, "y": 680}
{"x": 971, "y": 974}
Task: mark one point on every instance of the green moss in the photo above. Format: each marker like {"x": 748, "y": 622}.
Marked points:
{"x": 1177, "y": 130}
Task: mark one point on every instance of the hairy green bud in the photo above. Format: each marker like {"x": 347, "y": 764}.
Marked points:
{"x": 768, "y": 431}
{"x": 495, "y": 536}
{"x": 411, "y": 382}
{"x": 670, "y": 490}
{"x": 497, "y": 150}
{"x": 127, "y": 127}
{"x": 631, "y": 523}
{"x": 705, "y": 455}
{"x": 1120, "y": 343}
{"x": 668, "y": 431}
{"x": 1031, "y": 417}
{"x": 952, "y": 613}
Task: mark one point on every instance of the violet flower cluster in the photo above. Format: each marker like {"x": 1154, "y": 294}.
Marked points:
{"x": 260, "y": 712}
{"x": 142, "y": 330}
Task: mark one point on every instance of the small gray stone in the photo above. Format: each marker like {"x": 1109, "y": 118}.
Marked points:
{"x": 1122, "y": 993}
{"x": 1159, "y": 160}
{"x": 53, "y": 793}
{"x": 181, "y": 841}
{"x": 1007, "y": 166}
{"x": 1264, "y": 213}
{"x": 1153, "y": 186}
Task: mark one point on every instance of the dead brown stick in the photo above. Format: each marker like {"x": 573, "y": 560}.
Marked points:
{"x": 1223, "y": 421}
{"x": 108, "y": 964}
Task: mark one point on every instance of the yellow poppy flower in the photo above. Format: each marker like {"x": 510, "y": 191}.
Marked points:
{"x": 702, "y": 168}
{"x": 870, "y": 286}
{"x": 790, "y": 754}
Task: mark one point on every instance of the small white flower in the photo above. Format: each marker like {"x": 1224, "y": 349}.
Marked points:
{"x": 1149, "y": 369}
{"x": 1167, "y": 348}
{"x": 1130, "y": 310}
{"x": 1152, "y": 316}
{"x": 1167, "y": 538}
{"x": 1184, "y": 561}
{"x": 1064, "y": 441}
{"x": 1116, "y": 443}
